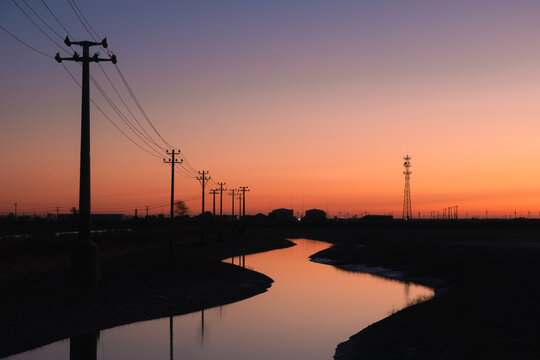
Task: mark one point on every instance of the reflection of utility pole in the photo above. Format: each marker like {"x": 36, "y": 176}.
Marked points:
{"x": 172, "y": 160}
{"x": 171, "y": 338}
{"x": 202, "y": 327}
{"x": 203, "y": 179}
{"x": 83, "y": 346}
{"x": 214, "y": 192}
{"x": 221, "y": 209}
{"x": 244, "y": 189}
{"x": 84, "y": 256}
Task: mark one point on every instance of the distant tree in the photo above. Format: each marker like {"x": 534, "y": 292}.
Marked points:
{"x": 180, "y": 208}
{"x": 74, "y": 211}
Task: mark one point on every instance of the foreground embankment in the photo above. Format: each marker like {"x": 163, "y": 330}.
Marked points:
{"x": 137, "y": 283}
{"x": 486, "y": 284}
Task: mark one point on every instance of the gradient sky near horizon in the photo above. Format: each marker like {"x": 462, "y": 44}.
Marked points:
{"x": 309, "y": 103}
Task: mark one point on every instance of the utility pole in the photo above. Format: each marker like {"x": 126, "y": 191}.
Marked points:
{"x": 221, "y": 209}
{"x": 233, "y": 221}
{"x": 57, "y": 212}
{"x": 146, "y": 210}
{"x": 214, "y": 192}
{"x": 172, "y": 160}
{"x": 244, "y": 189}
{"x": 239, "y": 197}
{"x": 84, "y": 255}
{"x": 15, "y": 209}
{"x": 203, "y": 179}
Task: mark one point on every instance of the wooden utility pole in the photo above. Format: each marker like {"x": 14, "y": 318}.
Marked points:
{"x": 172, "y": 160}
{"x": 84, "y": 254}
{"x": 221, "y": 209}
{"x": 244, "y": 189}
{"x": 203, "y": 179}
{"x": 214, "y": 192}
{"x": 232, "y": 193}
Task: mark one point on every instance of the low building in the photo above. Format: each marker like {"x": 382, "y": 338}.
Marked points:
{"x": 314, "y": 215}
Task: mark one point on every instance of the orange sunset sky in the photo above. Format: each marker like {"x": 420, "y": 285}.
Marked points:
{"x": 309, "y": 103}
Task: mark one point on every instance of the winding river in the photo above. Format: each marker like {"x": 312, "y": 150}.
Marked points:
{"x": 307, "y": 312}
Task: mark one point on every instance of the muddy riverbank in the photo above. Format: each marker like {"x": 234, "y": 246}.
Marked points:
{"x": 39, "y": 308}
{"x": 486, "y": 292}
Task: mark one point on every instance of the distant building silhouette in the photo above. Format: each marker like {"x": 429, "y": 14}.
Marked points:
{"x": 314, "y": 215}
{"x": 282, "y": 215}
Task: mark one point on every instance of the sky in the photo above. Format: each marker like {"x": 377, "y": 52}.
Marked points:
{"x": 311, "y": 104}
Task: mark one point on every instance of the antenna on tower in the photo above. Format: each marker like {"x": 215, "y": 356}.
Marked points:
{"x": 407, "y": 209}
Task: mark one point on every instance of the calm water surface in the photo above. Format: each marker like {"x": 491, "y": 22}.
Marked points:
{"x": 309, "y": 309}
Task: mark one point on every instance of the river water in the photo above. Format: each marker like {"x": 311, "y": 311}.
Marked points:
{"x": 307, "y": 312}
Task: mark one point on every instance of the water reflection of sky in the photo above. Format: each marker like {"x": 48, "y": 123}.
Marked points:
{"x": 309, "y": 309}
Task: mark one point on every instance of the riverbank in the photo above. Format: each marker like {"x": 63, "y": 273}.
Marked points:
{"x": 137, "y": 283}
{"x": 486, "y": 284}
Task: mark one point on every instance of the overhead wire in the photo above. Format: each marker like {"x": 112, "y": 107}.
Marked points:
{"x": 87, "y": 26}
{"x": 84, "y": 17}
{"x": 55, "y": 18}
{"x": 147, "y": 136}
{"x": 96, "y": 83}
{"x": 82, "y": 22}
{"x": 107, "y": 117}
{"x": 25, "y": 44}
{"x": 39, "y": 27}
{"x": 122, "y": 116}
{"x": 186, "y": 170}
{"x": 41, "y": 19}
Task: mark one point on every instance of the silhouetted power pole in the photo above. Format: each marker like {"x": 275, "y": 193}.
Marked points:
{"x": 146, "y": 210}
{"x": 221, "y": 209}
{"x": 244, "y": 189}
{"x": 214, "y": 192}
{"x": 57, "y": 208}
{"x": 239, "y": 197}
{"x": 15, "y": 209}
{"x": 232, "y": 193}
{"x": 173, "y": 161}
{"x": 84, "y": 256}
{"x": 203, "y": 179}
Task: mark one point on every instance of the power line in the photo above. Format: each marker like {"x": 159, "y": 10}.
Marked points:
{"x": 84, "y": 17}
{"x": 100, "y": 89}
{"x": 187, "y": 171}
{"x": 122, "y": 116}
{"x": 25, "y": 44}
{"x": 43, "y": 21}
{"x": 58, "y": 21}
{"x": 82, "y": 22}
{"x": 139, "y": 105}
{"x": 148, "y": 137}
{"x": 39, "y": 27}
{"x": 108, "y": 118}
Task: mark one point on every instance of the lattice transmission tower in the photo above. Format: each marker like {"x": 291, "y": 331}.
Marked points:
{"x": 407, "y": 209}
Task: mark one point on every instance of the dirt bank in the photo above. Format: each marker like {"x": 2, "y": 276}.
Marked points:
{"x": 39, "y": 308}
{"x": 486, "y": 285}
